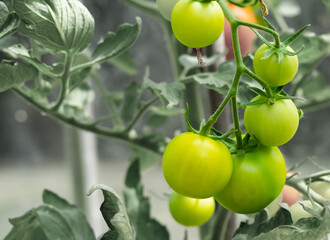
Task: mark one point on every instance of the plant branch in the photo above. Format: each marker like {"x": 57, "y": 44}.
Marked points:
{"x": 65, "y": 81}
{"x": 90, "y": 127}
{"x": 140, "y": 113}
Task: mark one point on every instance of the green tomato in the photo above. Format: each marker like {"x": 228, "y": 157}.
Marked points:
{"x": 191, "y": 211}
{"x": 272, "y": 71}
{"x": 196, "y": 166}
{"x": 298, "y": 212}
{"x": 165, "y": 7}
{"x": 258, "y": 178}
{"x": 272, "y": 124}
{"x": 197, "y": 24}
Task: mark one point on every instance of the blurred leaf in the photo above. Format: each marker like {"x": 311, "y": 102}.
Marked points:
{"x": 72, "y": 214}
{"x": 315, "y": 85}
{"x": 60, "y": 25}
{"x": 117, "y": 43}
{"x": 57, "y": 219}
{"x": 131, "y": 100}
{"x": 10, "y": 26}
{"x": 221, "y": 80}
{"x": 190, "y": 62}
{"x": 138, "y": 207}
{"x": 279, "y": 227}
{"x": 170, "y": 93}
{"x": 3, "y": 13}
{"x": 159, "y": 115}
{"x": 15, "y": 73}
{"x": 149, "y": 159}
{"x": 125, "y": 63}
{"x": 327, "y": 4}
{"x": 114, "y": 214}
{"x": 289, "y": 8}
{"x": 19, "y": 51}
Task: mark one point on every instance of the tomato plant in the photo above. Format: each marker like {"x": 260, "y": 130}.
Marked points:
{"x": 190, "y": 211}
{"x": 245, "y": 34}
{"x": 272, "y": 69}
{"x": 258, "y": 178}
{"x": 290, "y": 195}
{"x": 196, "y": 166}
{"x": 197, "y": 24}
{"x": 322, "y": 188}
{"x": 165, "y": 7}
{"x": 273, "y": 124}
{"x": 298, "y": 212}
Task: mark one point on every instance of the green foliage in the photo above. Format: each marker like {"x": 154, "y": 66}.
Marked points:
{"x": 114, "y": 214}
{"x": 13, "y": 74}
{"x": 55, "y": 219}
{"x": 138, "y": 207}
{"x": 280, "y": 226}
{"x": 60, "y": 25}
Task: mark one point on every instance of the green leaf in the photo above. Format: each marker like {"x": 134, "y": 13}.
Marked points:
{"x": 3, "y": 13}
{"x": 26, "y": 227}
{"x": 131, "y": 100}
{"x": 114, "y": 214}
{"x": 60, "y": 25}
{"x": 138, "y": 207}
{"x": 221, "y": 80}
{"x": 10, "y": 26}
{"x": 280, "y": 227}
{"x": 125, "y": 63}
{"x": 117, "y": 43}
{"x": 19, "y": 51}
{"x": 170, "y": 93}
{"x": 72, "y": 214}
{"x": 15, "y": 73}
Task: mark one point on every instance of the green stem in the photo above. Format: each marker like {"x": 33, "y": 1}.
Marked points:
{"x": 302, "y": 187}
{"x": 140, "y": 113}
{"x": 263, "y": 28}
{"x": 238, "y": 132}
{"x": 90, "y": 127}
{"x": 109, "y": 102}
{"x": 65, "y": 81}
{"x": 251, "y": 74}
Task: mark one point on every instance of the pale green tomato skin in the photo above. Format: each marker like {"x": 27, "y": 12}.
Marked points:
{"x": 190, "y": 211}
{"x": 258, "y": 178}
{"x": 273, "y": 72}
{"x": 165, "y": 7}
{"x": 272, "y": 125}
{"x": 298, "y": 212}
{"x": 197, "y": 24}
{"x": 322, "y": 188}
{"x": 196, "y": 166}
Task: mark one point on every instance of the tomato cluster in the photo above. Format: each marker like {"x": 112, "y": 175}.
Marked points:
{"x": 201, "y": 169}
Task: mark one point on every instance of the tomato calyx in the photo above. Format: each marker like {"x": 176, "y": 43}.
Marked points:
{"x": 244, "y": 3}
{"x": 280, "y": 48}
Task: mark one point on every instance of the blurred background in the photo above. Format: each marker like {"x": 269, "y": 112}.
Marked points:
{"x": 33, "y": 147}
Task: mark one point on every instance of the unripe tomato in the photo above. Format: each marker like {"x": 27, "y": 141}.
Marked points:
{"x": 196, "y": 166}
{"x": 246, "y": 35}
{"x": 272, "y": 124}
{"x": 272, "y": 71}
{"x": 197, "y": 24}
{"x": 190, "y": 211}
{"x": 298, "y": 212}
{"x": 258, "y": 178}
{"x": 165, "y": 7}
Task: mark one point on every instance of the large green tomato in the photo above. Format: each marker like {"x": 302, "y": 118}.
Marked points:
{"x": 191, "y": 211}
{"x": 272, "y": 124}
{"x": 258, "y": 178}
{"x": 165, "y": 7}
{"x": 197, "y": 24}
{"x": 272, "y": 71}
{"x": 196, "y": 166}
